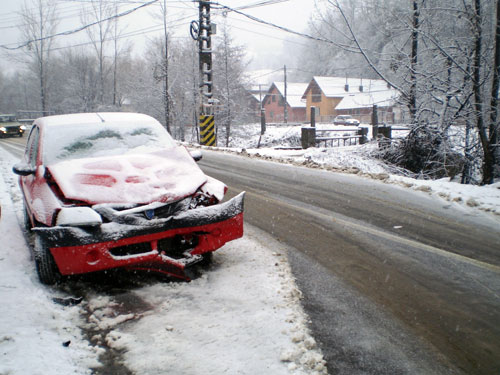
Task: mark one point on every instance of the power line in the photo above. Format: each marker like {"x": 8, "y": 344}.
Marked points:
{"x": 261, "y": 3}
{"x": 17, "y": 20}
{"x": 71, "y": 13}
{"x": 147, "y": 30}
{"x": 74, "y": 31}
{"x": 268, "y": 36}
{"x": 253, "y": 18}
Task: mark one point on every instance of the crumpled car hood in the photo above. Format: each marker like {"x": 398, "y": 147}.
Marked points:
{"x": 163, "y": 176}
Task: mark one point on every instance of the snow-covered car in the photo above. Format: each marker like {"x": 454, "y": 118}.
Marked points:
{"x": 9, "y": 126}
{"x": 345, "y": 120}
{"x": 114, "y": 190}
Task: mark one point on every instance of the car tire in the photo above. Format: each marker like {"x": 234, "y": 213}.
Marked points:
{"x": 207, "y": 259}
{"x": 26, "y": 220}
{"x": 46, "y": 267}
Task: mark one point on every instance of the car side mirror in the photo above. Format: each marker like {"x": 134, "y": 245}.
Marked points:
{"x": 23, "y": 169}
{"x": 196, "y": 155}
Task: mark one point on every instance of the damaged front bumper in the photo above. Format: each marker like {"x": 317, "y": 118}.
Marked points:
{"x": 167, "y": 245}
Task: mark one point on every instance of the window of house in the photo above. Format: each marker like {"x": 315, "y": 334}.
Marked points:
{"x": 315, "y": 94}
{"x": 274, "y": 98}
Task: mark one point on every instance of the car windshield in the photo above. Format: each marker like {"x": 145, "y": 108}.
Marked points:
{"x": 103, "y": 139}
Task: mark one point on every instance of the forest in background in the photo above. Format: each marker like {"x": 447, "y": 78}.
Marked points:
{"x": 443, "y": 56}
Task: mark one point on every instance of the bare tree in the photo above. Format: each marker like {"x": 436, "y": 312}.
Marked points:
{"x": 161, "y": 69}
{"x": 40, "y": 23}
{"x": 495, "y": 87}
{"x": 100, "y": 13}
{"x": 78, "y": 81}
{"x": 228, "y": 79}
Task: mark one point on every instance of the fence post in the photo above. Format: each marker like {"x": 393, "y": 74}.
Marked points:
{"x": 384, "y": 136}
{"x": 375, "y": 121}
{"x": 308, "y": 137}
{"x": 313, "y": 117}
{"x": 386, "y": 131}
{"x": 363, "y": 132}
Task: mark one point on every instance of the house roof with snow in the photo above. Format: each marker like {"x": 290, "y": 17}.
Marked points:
{"x": 342, "y": 86}
{"x": 258, "y": 92}
{"x": 294, "y": 93}
{"x": 385, "y": 98}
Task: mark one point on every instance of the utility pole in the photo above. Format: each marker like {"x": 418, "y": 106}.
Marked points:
{"x": 262, "y": 116}
{"x": 202, "y": 31}
{"x": 285, "y": 112}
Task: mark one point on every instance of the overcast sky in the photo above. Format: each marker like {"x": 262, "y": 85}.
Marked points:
{"x": 264, "y": 43}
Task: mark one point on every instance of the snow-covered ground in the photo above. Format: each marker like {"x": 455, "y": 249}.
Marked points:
{"x": 242, "y": 316}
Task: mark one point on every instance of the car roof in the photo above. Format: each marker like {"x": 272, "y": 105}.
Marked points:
{"x": 93, "y": 118}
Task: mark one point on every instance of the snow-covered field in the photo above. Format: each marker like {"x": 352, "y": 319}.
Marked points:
{"x": 242, "y": 316}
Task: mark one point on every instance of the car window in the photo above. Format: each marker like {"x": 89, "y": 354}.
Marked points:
{"x": 32, "y": 146}
{"x": 104, "y": 139}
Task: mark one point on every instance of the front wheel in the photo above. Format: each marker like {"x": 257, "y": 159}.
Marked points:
{"x": 26, "y": 220}
{"x": 46, "y": 267}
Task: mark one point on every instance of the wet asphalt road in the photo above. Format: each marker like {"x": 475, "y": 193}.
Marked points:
{"x": 394, "y": 281}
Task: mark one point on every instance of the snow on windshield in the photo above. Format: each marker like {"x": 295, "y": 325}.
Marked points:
{"x": 78, "y": 141}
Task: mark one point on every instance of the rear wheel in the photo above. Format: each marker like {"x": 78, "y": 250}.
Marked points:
{"x": 46, "y": 267}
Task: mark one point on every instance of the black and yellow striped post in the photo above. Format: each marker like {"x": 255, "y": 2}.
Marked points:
{"x": 207, "y": 130}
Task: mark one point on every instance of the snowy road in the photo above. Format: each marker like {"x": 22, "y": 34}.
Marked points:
{"x": 242, "y": 316}
{"x": 431, "y": 268}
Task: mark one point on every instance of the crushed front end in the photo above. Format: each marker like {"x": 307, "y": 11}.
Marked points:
{"x": 166, "y": 238}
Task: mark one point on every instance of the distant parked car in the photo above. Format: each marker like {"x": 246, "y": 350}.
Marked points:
{"x": 345, "y": 120}
{"x": 114, "y": 190}
{"x": 10, "y": 127}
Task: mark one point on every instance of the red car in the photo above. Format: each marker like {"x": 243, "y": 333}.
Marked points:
{"x": 113, "y": 190}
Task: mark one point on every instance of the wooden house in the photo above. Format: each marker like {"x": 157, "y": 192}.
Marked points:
{"x": 334, "y": 96}
{"x": 274, "y": 102}
{"x": 254, "y": 96}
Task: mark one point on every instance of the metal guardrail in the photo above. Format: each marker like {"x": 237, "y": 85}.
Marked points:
{"x": 310, "y": 138}
{"x": 25, "y": 121}
{"x": 344, "y": 139}
{"x": 382, "y": 133}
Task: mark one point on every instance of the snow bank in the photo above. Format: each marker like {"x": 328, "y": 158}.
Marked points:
{"x": 242, "y": 316}
{"x": 37, "y": 336}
